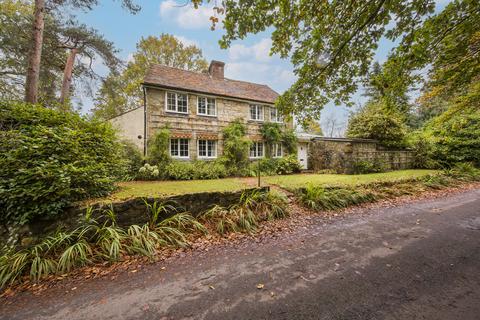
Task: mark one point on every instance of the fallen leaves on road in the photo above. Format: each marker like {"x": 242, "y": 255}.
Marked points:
{"x": 260, "y": 286}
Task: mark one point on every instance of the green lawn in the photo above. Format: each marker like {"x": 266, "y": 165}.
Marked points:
{"x": 301, "y": 180}
{"x": 135, "y": 189}
{"x": 162, "y": 188}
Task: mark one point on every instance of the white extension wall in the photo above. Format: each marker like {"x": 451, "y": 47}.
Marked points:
{"x": 130, "y": 126}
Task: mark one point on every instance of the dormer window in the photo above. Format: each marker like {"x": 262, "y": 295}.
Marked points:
{"x": 176, "y": 102}
{"x": 275, "y": 116}
{"x": 256, "y": 112}
{"x": 206, "y": 106}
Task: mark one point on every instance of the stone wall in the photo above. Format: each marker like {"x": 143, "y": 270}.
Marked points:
{"x": 128, "y": 212}
{"x": 340, "y": 155}
{"x": 193, "y": 126}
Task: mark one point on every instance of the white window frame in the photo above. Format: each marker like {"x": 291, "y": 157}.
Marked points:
{"x": 255, "y": 146}
{"x": 259, "y": 111}
{"x": 275, "y": 148}
{"x": 176, "y": 102}
{"x": 206, "y": 106}
{"x": 278, "y": 118}
{"x": 215, "y": 143}
{"x": 178, "y": 147}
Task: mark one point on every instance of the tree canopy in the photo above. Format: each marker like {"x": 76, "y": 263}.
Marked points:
{"x": 59, "y": 38}
{"x": 332, "y": 44}
{"x": 122, "y": 91}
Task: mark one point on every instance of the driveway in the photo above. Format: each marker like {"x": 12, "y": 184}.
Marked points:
{"x": 415, "y": 261}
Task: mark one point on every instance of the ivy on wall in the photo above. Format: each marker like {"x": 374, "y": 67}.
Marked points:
{"x": 273, "y": 133}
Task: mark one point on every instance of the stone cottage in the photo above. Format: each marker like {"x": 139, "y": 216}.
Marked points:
{"x": 196, "y": 107}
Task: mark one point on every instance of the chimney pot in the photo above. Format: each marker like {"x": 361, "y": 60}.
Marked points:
{"x": 216, "y": 69}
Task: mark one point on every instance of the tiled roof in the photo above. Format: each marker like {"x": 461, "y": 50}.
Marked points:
{"x": 163, "y": 76}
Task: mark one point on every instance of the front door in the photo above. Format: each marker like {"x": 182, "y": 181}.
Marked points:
{"x": 303, "y": 155}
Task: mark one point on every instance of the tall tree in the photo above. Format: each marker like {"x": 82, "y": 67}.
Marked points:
{"x": 59, "y": 38}
{"x": 332, "y": 43}
{"x": 35, "y": 54}
{"x": 33, "y": 71}
{"x": 82, "y": 41}
{"x": 122, "y": 91}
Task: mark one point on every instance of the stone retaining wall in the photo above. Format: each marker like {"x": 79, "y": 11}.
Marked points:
{"x": 340, "y": 155}
{"x": 128, "y": 212}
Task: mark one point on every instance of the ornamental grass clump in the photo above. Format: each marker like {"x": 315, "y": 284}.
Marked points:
{"x": 96, "y": 241}
{"x": 253, "y": 207}
{"x": 322, "y": 198}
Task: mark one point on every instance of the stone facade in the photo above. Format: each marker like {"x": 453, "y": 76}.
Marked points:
{"x": 193, "y": 126}
{"x": 340, "y": 155}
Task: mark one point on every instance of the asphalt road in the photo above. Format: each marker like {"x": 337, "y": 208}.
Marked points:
{"x": 415, "y": 261}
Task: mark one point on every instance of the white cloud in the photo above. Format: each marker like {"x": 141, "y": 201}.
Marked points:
{"x": 185, "y": 15}
{"x": 186, "y": 41}
{"x": 259, "y": 51}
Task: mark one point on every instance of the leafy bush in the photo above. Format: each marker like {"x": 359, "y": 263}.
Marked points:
{"x": 133, "y": 160}
{"x": 366, "y": 166}
{"x": 288, "y": 164}
{"x": 158, "y": 148}
{"x": 455, "y": 134}
{"x": 273, "y": 166}
{"x": 49, "y": 159}
{"x": 209, "y": 170}
{"x": 374, "y": 121}
{"x": 148, "y": 172}
{"x": 236, "y": 147}
{"x": 422, "y": 149}
{"x": 178, "y": 170}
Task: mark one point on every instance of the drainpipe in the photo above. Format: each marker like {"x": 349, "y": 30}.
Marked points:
{"x": 144, "y": 121}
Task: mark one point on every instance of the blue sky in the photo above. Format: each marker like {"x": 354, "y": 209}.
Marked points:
{"x": 246, "y": 60}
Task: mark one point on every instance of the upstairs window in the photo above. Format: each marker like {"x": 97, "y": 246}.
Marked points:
{"x": 275, "y": 116}
{"x": 177, "y": 102}
{"x": 207, "y": 148}
{"x": 179, "y": 148}
{"x": 206, "y": 106}
{"x": 256, "y": 112}
{"x": 256, "y": 150}
{"x": 277, "y": 150}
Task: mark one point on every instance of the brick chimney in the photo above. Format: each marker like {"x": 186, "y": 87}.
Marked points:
{"x": 216, "y": 69}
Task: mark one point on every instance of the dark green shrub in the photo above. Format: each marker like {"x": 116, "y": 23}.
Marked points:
{"x": 49, "y": 159}
{"x": 133, "y": 159}
{"x": 179, "y": 170}
{"x": 236, "y": 147}
{"x": 376, "y": 121}
{"x": 288, "y": 164}
{"x": 366, "y": 166}
{"x": 209, "y": 170}
{"x": 422, "y": 149}
{"x": 455, "y": 134}
{"x": 158, "y": 148}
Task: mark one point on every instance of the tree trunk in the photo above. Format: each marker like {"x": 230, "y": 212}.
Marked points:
{"x": 33, "y": 71}
{"x": 67, "y": 75}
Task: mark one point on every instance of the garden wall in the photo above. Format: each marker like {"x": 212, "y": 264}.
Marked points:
{"x": 128, "y": 212}
{"x": 340, "y": 154}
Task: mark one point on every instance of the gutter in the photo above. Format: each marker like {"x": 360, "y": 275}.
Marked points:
{"x": 144, "y": 121}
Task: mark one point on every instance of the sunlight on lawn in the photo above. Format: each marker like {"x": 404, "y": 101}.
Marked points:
{"x": 302, "y": 180}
